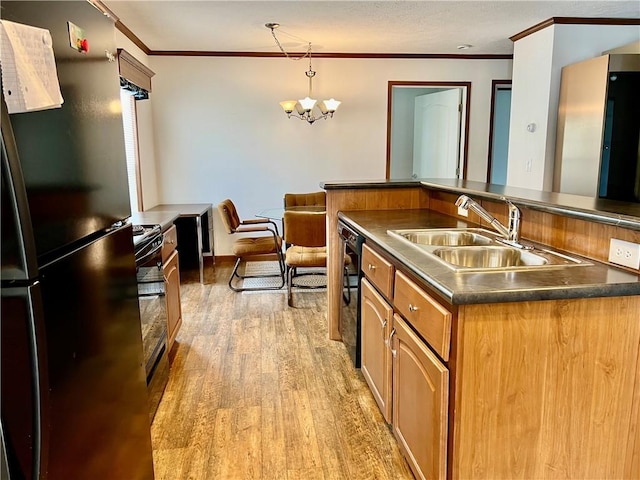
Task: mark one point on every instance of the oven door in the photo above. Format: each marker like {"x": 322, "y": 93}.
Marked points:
{"x": 153, "y": 316}
{"x": 153, "y": 308}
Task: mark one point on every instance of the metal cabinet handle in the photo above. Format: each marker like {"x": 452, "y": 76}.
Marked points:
{"x": 393, "y": 332}
{"x": 413, "y": 308}
{"x": 371, "y": 267}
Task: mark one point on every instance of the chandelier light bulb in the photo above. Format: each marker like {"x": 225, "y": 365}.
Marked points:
{"x": 288, "y": 106}
{"x": 331, "y": 105}
{"x": 307, "y": 103}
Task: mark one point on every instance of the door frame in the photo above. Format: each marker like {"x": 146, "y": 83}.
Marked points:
{"x": 495, "y": 85}
{"x": 467, "y": 107}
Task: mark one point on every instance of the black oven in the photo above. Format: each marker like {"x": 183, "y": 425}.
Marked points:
{"x": 350, "y": 323}
{"x": 153, "y": 312}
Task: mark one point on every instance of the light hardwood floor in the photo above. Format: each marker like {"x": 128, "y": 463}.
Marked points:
{"x": 258, "y": 391}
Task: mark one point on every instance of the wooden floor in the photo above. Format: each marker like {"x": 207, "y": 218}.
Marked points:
{"x": 258, "y": 391}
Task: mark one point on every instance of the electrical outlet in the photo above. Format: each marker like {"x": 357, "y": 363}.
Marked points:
{"x": 624, "y": 253}
{"x": 463, "y": 212}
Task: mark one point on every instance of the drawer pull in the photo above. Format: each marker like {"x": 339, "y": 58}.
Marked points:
{"x": 413, "y": 308}
{"x": 372, "y": 267}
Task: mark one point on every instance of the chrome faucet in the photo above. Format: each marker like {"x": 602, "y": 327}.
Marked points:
{"x": 511, "y": 235}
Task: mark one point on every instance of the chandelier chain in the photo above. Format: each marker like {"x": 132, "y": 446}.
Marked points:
{"x": 291, "y": 57}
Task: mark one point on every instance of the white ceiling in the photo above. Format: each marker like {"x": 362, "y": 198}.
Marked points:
{"x": 422, "y": 27}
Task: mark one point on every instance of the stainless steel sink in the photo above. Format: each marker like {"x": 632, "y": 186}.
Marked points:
{"x": 493, "y": 258}
{"x": 489, "y": 257}
{"x": 478, "y": 250}
{"x": 446, "y": 237}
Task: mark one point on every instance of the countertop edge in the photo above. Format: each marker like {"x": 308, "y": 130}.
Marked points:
{"x": 163, "y": 218}
{"x": 554, "y": 292}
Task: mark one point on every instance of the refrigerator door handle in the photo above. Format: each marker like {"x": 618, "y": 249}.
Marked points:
{"x": 40, "y": 380}
{"x": 17, "y": 194}
{"x": 4, "y": 465}
{"x": 37, "y": 353}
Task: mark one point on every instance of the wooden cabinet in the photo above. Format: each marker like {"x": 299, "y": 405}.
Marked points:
{"x": 378, "y": 270}
{"x": 376, "y": 316}
{"x": 503, "y": 390}
{"x": 430, "y": 319}
{"x": 420, "y": 402}
{"x": 171, "y": 273}
{"x": 170, "y": 242}
{"x": 407, "y": 379}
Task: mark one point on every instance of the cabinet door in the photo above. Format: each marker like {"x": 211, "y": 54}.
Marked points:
{"x": 420, "y": 403}
{"x": 172, "y": 296}
{"x": 376, "y": 316}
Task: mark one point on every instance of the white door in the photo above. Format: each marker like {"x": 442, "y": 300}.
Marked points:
{"x": 436, "y": 135}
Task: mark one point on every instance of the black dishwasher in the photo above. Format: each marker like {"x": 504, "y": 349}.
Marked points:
{"x": 350, "y": 328}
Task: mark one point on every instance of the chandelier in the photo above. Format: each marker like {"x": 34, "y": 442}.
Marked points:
{"x": 303, "y": 109}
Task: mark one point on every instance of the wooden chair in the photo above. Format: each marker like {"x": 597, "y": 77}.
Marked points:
{"x": 245, "y": 248}
{"x": 306, "y": 235}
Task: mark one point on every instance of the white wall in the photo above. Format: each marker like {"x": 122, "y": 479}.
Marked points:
{"x": 537, "y": 68}
{"x": 219, "y": 131}
{"x": 144, "y": 112}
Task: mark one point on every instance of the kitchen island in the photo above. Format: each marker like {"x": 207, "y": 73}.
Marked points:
{"x": 529, "y": 374}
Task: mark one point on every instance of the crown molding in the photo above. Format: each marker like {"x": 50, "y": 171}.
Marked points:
{"x": 574, "y": 21}
{"x": 132, "y": 36}
{"x": 414, "y": 56}
{"x": 199, "y": 53}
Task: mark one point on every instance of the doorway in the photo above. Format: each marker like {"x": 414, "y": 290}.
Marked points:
{"x": 427, "y": 134}
{"x": 499, "y": 131}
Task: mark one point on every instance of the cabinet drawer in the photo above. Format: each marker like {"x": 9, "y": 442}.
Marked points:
{"x": 430, "y": 319}
{"x": 377, "y": 270}
{"x": 170, "y": 242}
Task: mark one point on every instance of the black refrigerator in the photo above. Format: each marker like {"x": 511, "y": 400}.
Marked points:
{"x": 73, "y": 386}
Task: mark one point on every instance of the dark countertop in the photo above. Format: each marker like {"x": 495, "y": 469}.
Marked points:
{"x": 595, "y": 280}
{"x": 610, "y": 212}
{"x": 163, "y": 218}
{"x": 183, "y": 209}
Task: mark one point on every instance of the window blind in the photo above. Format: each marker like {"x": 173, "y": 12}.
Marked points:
{"x": 129, "y": 123}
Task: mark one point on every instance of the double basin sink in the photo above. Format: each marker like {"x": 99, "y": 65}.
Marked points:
{"x": 477, "y": 249}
